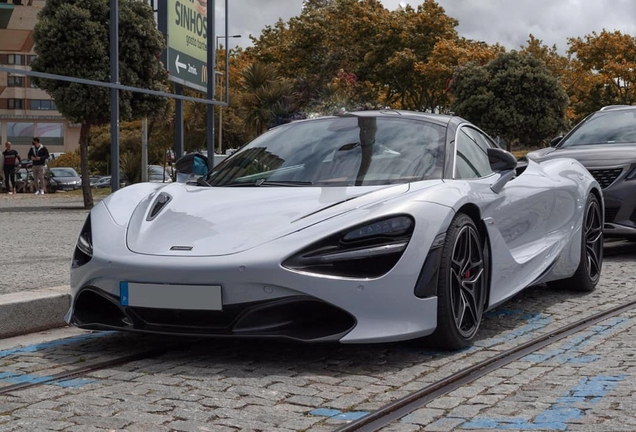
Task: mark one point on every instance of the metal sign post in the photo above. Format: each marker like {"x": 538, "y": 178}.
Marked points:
{"x": 211, "y": 83}
{"x": 114, "y": 95}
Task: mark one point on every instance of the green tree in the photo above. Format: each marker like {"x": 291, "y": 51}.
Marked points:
{"x": 267, "y": 99}
{"x": 513, "y": 96}
{"x": 72, "y": 39}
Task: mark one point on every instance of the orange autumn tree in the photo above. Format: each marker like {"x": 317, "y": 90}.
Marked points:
{"x": 603, "y": 71}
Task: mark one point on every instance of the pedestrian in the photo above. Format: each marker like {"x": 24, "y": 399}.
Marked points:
{"x": 11, "y": 159}
{"x": 38, "y": 154}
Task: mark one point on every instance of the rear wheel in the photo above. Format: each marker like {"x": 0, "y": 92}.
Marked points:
{"x": 462, "y": 285}
{"x": 588, "y": 273}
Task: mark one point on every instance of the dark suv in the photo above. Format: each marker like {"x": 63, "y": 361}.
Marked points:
{"x": 605, "y": 143}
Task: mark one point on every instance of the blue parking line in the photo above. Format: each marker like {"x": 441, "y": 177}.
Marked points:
{"x": 10, "y": 378}
{"x": 572, "y": 406}
{"x": 534, "y": 322}
{"x": 337, "y": 414}
{"x": 53, "y": 344}
{"x": 570, "y": 351}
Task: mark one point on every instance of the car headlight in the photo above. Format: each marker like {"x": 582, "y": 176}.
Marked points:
{"x": 84, "y": 248}
{"x": 366, "y": 251}
{"x": 632, "y": 174}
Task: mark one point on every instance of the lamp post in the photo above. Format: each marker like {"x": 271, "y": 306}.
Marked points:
{"x": 220, "y": 148}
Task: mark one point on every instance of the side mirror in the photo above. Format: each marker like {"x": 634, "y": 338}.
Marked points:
{"x": 555, "y": 141}
{"x": 501, "y": 160}
{"x": 193, "y": 163}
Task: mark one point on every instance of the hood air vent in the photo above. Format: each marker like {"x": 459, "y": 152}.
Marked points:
{"x": 159, "y": 204}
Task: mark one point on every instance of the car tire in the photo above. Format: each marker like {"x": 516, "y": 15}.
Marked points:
{"x": 588, "y": 272}
{"x": 462, "y": 285}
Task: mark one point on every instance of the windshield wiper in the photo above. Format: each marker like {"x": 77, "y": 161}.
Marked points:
{"x": 202, "y": 182}
{"x": 261, "y": 182}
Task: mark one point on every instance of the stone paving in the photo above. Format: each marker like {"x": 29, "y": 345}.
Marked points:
{"x": 261, "y": 385}
{"x": 585, "y": 382}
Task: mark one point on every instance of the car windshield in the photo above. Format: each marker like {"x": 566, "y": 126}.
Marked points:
{"x": 63, "y": 172}
{"x": 610, "y": 127}
{"x": 338, "y": 151}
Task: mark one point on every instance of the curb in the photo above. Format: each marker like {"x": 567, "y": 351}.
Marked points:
{"x": 32, "y": 311}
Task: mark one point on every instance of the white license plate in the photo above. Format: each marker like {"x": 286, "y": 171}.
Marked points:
{"x": 161, "y": 296}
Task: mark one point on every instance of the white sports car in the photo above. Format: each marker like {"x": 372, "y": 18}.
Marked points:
{"x": 373, "y": 226}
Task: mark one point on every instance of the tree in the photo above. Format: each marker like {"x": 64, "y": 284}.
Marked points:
{"x": 513, "y": 96}
{"x": 72, "y": 39}
{"x": 267, "y": 99}
{"x": 604, "y": 66}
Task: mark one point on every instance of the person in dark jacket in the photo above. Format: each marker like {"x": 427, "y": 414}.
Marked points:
{"x": 38, "y": 154}
{"x": 11, "y": 160}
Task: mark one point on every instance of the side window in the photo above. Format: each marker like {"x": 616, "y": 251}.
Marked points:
{"x": 471, "y": 159}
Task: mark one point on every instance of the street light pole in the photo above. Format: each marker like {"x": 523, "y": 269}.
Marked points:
{"x": 220, "y": 149}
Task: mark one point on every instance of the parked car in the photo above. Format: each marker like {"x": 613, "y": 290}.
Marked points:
{"x": 103, "y": 182}
{"x": 63, "y": 179}
{"x": 24, "y": 181}
{"x": 605, "y": 143}
{"x": 376, "y": 226}
{"x": 93, "y": 179}
{"x": 158, "y": 174}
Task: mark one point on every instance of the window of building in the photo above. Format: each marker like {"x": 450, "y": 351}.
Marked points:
{"x": 15, "y": 81}
{"x": 31, "y": 58}
{"x": 51, "y": 133}
{"x": 15, "y": 59}
{"x": 42, "y": 104}
{"x": 15, "y": 104}
{"x": 20, "y": 133}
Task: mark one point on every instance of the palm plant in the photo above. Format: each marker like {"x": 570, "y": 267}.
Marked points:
{"x": 267, "y": 99}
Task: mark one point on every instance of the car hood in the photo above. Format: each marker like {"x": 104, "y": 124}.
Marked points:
{"x": 591, "y": 156}
{"x": 199, "y": 221}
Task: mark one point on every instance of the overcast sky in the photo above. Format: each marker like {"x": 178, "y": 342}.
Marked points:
{"x": 505, "y": 21}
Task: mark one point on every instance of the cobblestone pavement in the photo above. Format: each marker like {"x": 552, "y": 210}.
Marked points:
{"x": 584, "y": 382}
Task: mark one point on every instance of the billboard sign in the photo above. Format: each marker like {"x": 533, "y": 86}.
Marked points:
{"x": 184, "y": 22}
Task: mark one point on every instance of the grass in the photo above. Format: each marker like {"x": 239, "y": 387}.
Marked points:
{"x": 97, "y": 193}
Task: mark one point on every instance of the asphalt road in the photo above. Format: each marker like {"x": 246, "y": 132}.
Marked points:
{"x": 38, "y": 234}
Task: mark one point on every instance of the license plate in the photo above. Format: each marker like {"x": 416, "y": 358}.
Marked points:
{"x": 161, "y": 296}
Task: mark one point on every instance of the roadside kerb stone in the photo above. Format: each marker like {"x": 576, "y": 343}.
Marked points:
{"x": 31, "y": 311}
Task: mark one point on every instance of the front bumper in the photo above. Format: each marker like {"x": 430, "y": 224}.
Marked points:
{"x": 298, "y": 318}
{"x": 620, "y": 209}
{"x": 260, "y": 298}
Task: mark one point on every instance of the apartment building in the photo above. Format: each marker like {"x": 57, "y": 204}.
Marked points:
{"x": 26, "y": 111}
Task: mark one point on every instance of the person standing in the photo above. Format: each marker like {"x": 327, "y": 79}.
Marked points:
{"x": 38, "y": 154}
{"x": 11, "y": 159}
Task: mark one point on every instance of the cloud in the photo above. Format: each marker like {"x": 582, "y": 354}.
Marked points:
{"x": 508, "y": 22}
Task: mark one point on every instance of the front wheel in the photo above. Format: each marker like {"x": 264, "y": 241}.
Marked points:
{"x": 588, "y": 272}
{"x": 462, "y": 286}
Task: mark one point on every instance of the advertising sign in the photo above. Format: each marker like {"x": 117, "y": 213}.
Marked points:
{"x": 185, "y": 24}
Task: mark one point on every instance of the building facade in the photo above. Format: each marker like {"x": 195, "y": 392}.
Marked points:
{"x": 26, "y": 111}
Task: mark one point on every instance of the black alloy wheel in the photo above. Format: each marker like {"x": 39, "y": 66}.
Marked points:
{"x": 593, "y": 235}
{"x": 462, "y": 286}
{"x": 588, "y": 272}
